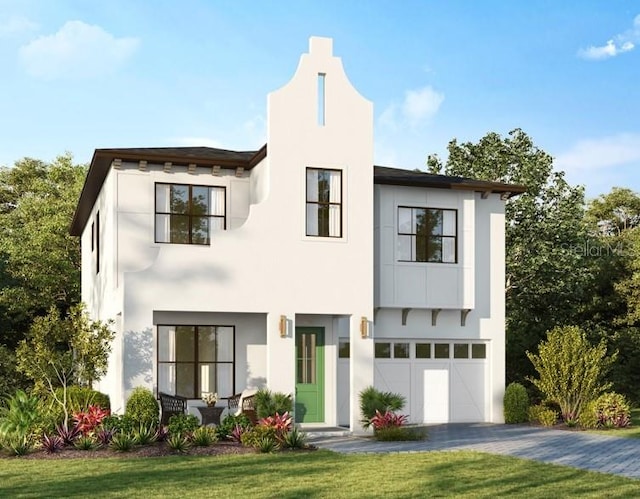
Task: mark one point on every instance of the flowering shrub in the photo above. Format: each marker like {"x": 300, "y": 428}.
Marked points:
{"x": 387, "y": 420}
{"x": 88, "y": 420}
{"x": 280, "y": 423}
{"x": 609, "y": 410}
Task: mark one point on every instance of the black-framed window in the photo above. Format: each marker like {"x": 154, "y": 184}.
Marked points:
{"x": 427, "y": 235}
{"x": 189, "y": 214}
{"x": 324, "y": 202}
{"x": 193, "y": 360}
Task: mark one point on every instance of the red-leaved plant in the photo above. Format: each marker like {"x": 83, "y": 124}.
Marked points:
{"x": 388, "y": 420}
{"x": 281, "y": 423}
{"x": 88, "y": 420}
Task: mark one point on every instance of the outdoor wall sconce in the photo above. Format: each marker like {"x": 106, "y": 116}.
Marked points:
{"x": 283, "y": 326}
{"x": 364, "y": 327}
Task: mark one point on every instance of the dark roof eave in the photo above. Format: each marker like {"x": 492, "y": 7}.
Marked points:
{"x": 492, "y": 187}
{"x": 102, "y": 159}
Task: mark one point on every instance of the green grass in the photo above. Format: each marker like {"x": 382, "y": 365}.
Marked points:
{"x": 632, "y": 432}
{"x": 309, "y": 474}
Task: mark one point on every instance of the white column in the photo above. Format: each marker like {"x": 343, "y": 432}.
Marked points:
{"x": 361, "y": 367}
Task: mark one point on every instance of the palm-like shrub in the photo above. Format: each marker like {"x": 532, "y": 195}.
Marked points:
{"x": 269, "y": 403}
{"x": 142, "y": 407}
{"x": 373, "y": 400}
{"x": 20, "y": 416}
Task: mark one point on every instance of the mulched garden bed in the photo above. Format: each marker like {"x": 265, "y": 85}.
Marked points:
{"x": 154, "y": 450}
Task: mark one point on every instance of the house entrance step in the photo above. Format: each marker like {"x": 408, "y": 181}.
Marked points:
{"x": 314, "y": 432}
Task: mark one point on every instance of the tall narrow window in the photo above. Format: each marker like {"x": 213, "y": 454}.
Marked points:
{"x": 97, "y": 222}
{"x": 193, "y": 360}
{"x": 324, "y": 203}
{"x": 321, "y": 99}
{"x": 188, "y": 214}
{"x": 427, "y": 235}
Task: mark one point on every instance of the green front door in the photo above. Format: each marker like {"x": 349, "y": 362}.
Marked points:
{"x": 309, "y": 374}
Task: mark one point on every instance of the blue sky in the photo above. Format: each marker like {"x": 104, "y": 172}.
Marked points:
{"x": 80, "y": 75}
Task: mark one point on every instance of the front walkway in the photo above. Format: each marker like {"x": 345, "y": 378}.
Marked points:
{"x": 604, "y": 453}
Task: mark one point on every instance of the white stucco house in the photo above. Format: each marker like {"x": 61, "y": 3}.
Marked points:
{"x": 300, "y": 266}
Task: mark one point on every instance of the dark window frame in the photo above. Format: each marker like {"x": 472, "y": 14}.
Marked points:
{"x": 324, "y": 203}
{"x": 196, "y": 362}
{"x": 97, "y": 222}
{"x": 431, "y": 236}
{"x": 190, "y": 213}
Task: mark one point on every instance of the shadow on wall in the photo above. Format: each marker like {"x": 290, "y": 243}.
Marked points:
{"x": 138, "y": 359}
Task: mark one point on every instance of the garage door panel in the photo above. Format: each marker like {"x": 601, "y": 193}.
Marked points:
{"x": 394, "y": 377}
{"x": 467, "y": 392}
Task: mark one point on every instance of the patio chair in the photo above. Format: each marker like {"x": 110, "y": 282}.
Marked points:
{"x": 243, "y": 403}
{"x": 171, "y": 405}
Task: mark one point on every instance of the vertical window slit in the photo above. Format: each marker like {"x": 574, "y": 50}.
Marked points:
{"x": 321, "y": 99}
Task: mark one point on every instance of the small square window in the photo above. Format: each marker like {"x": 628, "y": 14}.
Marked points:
{"x": 441, "y": 350}
{"x": 423, "y": 350}
{"x": 383, "y": 350}
{"x": 478, "y": 351}
{"x": 461, "y": 350}
{"x": 344, "y": 350}
{"x": 401, "y": 350}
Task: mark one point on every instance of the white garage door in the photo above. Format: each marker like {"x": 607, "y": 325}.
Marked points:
{"x": 442, "y": 381}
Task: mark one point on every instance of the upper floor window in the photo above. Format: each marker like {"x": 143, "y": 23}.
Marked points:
{"x": 188, "y": 214}
{"x": 427, "y": 235}
{"x": 324, "y": 202}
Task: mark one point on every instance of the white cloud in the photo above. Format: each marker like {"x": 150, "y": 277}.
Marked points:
{"x": 16, "y": 25}
{"x": 619, "y": 44}
{"x": 600, "y": 153}
{"x": 418, "y": 107}
{"x": 76, "y": 50}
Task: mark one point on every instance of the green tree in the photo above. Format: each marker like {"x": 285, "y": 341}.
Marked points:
{"x": 547, "y": 276}
{"x": 64, "y": 351}
{"x": 40, "y": 264}
{"x": 571, "y": 372}
{"x": 612, "y": 311}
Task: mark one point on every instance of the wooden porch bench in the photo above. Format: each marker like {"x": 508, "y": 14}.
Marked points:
{"x": 171, "y": 405}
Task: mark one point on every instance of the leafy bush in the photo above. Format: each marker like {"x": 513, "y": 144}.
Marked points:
{"x": 52, "y": 443}
{"x": 183, "y": 424}
{"x": 10, "y": 378}
{"x": 87, "y": 421}
{"x": 267, "y": 445}
{"x": 543, "y": 414}
{"x": 122, "y": 442}
{"x": 238, "y": 432}
{"x": 143, "y": 407}
{"x": 68, "y": 434}
{"x": 144, "y": 435}
{"x": 516, "y": 404}
{"x": 373, "y": 400}
{"x": 548, "y": 417}
{"x": 269, "y": 403}
{"x": 104, "y": 436}
{"x": 78, "y": 399}
{"x": 119, "y": 423}
{"x": 387, "y": 420}
{"x": 203, "y": 436}
{"x": 178, "y": 443}
{"x": 400, "y": 434}
{"x": 571, "y": 371}
{"x": 280, "y": 423}
{"x": 253, "y": 436}
{"x": 295, "y": 439}
{"x": 17, "y": 444}
{"x": 21, "y": 415}
{"x": 224, "y": 429}
{"x": 609, "y": 410}
{"x": 85, "y": 442}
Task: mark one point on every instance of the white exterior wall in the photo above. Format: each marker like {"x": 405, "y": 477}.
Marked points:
{"x": 476, "y": 282}
{"x": 264, "y": 263}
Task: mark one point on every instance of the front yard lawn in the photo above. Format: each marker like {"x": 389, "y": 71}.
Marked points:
{"x": 306, "y": 474}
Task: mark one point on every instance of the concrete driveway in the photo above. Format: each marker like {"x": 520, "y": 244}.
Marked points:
{"x": 604, "y": 453}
